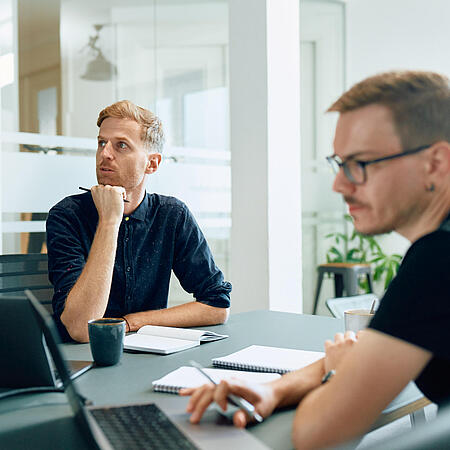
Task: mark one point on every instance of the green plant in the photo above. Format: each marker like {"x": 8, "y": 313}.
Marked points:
{"x": 356, "y": 247}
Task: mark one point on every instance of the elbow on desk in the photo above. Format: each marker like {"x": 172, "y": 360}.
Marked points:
{"x": 223, "y": 315}
{"x": 78, "y": 332}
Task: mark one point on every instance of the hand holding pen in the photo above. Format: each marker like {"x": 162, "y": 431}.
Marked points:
{"x": 202, "y": 397}
{"x": 88, "y": 190}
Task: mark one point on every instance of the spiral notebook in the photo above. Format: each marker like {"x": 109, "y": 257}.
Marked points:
{"x": 259, "y": 358}
{"x": 189, "y": 377}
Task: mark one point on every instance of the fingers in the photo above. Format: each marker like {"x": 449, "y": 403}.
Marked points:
{"x": 109, "y": 203}
{"x": 186, "y": 391}
{"x": 201, "y": 398}
{"x": 106, "y": 189}
{"x": 220, "y": 394}
{"x": 242, "y": 389}
{"x": 350, "y": 335}
{"x": 240, "y": 419}
{"x": 339, "y": 337}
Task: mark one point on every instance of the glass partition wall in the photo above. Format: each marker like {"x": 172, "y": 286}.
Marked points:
{"x": 62, "y": 61}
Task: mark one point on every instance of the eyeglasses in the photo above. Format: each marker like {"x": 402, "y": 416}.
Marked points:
{"x": 355, "y": 170}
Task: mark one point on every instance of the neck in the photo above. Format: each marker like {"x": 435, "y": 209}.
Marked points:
{"x": 134, "y": 198}
{"x": 430, "y": 218}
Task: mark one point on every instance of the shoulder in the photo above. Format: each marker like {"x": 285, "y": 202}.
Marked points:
{"x": 422, "y": 275}
{"x": 165, "y": 204}
{"x": 79, "y": 205}
{"x": 429, "y": 251}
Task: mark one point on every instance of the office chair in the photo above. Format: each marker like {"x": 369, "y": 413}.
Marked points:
{"x": 26, "y": 271}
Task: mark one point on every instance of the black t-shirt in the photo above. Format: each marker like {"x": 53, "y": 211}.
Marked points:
{"x": 416, "y": 309}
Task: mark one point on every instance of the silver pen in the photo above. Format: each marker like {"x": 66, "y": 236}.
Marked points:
{"x": 233, "y": 399}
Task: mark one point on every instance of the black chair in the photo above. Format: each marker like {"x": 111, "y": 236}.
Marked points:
{"x": 26, "y": 271}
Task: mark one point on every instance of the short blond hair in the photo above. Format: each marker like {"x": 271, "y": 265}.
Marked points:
{"x": 419, "y": 103}
{"x": 152, "y": 130}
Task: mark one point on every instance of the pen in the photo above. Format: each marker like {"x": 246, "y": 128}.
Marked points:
{"x": 88, "y": 190}
{"x": 233, "y": 399}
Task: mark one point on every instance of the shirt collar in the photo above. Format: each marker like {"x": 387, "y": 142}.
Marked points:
{"x": 141, "y": 211}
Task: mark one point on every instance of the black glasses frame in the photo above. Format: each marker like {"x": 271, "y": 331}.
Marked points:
{"x": 334, "y": 159}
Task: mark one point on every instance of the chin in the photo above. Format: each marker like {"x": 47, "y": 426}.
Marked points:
{"x": 104, "y": 182}
{"x": 371, "y": 229}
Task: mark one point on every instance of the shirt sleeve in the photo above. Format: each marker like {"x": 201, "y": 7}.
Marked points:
{"x": 66, "y": 255}
{"x": 194, "y": 264}
{"x": 416, "y": 306}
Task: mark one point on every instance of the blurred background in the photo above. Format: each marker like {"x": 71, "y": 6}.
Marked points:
{"x": 241, "y": 87}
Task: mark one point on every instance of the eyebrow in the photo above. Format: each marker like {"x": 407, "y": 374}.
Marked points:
{"x": 117, "y": 138}
{"x": 358, "y": 154}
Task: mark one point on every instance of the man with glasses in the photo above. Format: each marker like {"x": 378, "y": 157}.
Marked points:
{"x": 392, "y": 164}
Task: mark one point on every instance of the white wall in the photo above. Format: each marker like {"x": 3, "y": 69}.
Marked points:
{"x": 401, "y": 34}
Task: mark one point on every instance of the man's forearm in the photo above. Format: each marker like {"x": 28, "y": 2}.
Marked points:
{"x": 89, "y": 296}
{"x": 187, "y": 315}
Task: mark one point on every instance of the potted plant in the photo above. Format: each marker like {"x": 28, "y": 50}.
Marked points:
{"x": 355, "y": 247}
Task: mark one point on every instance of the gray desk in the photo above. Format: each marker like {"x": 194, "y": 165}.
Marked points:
{"x": 45, "y": 420}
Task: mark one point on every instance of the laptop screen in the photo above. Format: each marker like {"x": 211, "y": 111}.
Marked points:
{"x": 23, "y": 352}
{"x": 88, "y": 426}
{"x": 47, "y": 326}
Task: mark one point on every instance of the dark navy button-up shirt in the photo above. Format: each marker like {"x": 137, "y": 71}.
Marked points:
{"x": 161, "y": 235}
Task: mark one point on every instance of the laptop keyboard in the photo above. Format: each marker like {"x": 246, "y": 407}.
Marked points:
{"x": 140, "y": 427}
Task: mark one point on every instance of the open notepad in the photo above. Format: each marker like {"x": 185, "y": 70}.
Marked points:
{"x": 189, "y": 377}
{"x": 268, "y": 359}
{"x": 166, "y": 340}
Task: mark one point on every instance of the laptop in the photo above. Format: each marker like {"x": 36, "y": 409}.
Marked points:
{"x": 339, "y": 305}
{"x": 138, "y": 426}
{"x": 23, "y": 352}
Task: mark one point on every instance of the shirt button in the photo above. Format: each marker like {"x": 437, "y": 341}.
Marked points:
{"x": 127, "y": 239}
{"x": 128, "y": 268}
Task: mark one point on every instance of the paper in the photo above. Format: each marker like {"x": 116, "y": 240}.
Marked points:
{"x": 166, "y": 340}
{"x": 181, "y": 333}
{"x": 156, "y": 344}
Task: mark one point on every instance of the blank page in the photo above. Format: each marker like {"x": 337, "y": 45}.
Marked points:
{"x": 268, "y": 359}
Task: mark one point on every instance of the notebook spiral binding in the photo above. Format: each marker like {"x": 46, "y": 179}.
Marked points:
{"x": 167, "y": 389}
{"x": 249, "y": 367}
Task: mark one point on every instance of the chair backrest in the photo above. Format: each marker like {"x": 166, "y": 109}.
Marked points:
{"x": 26, "y": 271}
{"x": 338, "y": 305}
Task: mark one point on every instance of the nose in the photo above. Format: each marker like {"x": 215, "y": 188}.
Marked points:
{"x": 342, "y": 184}
{"x": 107, "y": 152}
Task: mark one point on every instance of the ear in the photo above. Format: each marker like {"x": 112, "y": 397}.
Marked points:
{"x": 438, "y": 162}
{"x": 153, "y": 162}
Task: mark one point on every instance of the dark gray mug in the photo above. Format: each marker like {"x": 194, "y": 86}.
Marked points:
{"x": 106, "y": 339}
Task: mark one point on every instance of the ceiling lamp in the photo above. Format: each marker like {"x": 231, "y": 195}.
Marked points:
{"x": 99, "y": 68}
